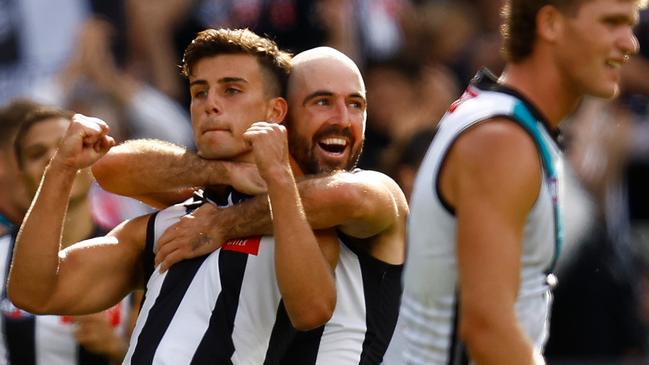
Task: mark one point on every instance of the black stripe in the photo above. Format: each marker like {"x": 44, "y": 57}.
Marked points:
{"x": 148, "y": 257}
{"x": 382, "y": 290}
{"x": 281, "y": 338}
{"x": 457, "y": 354}
{"x": 217, "y": 346}
{"x": 173, "y": 290}
{"x": 19, "y": 336}
{"x": 304, "y": 348}
{"x": 19, "y": 331}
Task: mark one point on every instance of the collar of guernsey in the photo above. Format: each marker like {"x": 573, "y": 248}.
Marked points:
{"x": 533, "y": 121}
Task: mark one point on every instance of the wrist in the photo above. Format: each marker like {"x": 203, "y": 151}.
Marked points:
{"x": 279, "y": 175}
{"x": 56, "y": 166}
{"x": 216, "y": 172}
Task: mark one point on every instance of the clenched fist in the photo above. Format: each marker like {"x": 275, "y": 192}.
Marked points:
{"x": 85, "y": 141}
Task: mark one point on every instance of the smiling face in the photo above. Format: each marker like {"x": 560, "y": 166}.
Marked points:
{"x": 594, "y": 43}
{"x": 227, "y": 96}
{"x": 327, "y": 112}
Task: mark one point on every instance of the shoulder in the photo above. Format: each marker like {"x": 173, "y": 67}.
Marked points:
{"x": 495, "y": 158}
{"x": 133, "y": 232}
{"x": 495, "y": 144}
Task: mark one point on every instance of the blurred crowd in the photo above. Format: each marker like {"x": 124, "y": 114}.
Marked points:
{"x": 117, "y": 60}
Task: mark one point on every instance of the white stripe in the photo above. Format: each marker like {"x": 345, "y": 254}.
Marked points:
{"x": 257, "y": 310}
{"x": 152, "y": 291}
{"x": 343, "y": 336}
{"x": 192, "y": 318}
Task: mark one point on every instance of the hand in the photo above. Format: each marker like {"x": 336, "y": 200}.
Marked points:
{"x": 194, "y": 235}
{"x": 85, "y": 141}
{"x": 95, "y": 333}
{"x": 269, "y": 146}
{"x": 245, "y": 178}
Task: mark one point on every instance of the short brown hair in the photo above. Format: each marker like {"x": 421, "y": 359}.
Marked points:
{"x": 519, "y": 23}
{"x": 214, "y": 42}
{"x": 12, "y": 116}
{"x": 33, "y": 118}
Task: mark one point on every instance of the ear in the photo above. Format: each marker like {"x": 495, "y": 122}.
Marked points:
{"x": 549, "y": 23}
{"x": 277, "y": 109}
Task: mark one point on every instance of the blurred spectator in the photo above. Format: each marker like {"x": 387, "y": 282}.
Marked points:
{"x": 404, "y": 159}
{"x": 597, "y": 312}
{"x": 92, "y": 84}
{"x": 98, "y": 338}
{"x": 13, "y": 199}
{"x": 405, "y": 98}
{"x": 36, "y": 39}
{"x": 392, "y": 97}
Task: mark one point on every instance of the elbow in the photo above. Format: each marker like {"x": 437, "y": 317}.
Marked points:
{"x": 24, "y": 301}
{"x": 101, "y": 170}
{"x": 104, "y": 170}
{"x": 312, "y": 316}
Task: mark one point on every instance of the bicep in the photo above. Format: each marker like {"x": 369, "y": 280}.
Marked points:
{"x": 97, "y": 273}
{"x": 360, "y": 204}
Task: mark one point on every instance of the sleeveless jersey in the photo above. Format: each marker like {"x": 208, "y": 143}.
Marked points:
{"x": 216, "y": 309}
{"x": 426, "y": 331}
{"x": 29, "y": 339}
{"x": 368, "y": 292}
{"x": 226, "y": 308}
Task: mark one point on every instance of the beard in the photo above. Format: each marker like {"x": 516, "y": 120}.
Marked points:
{"x": 304, "y": 153}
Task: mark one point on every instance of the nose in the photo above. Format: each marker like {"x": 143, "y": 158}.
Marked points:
{"x": 628, "y": 42}
{"x": 341, "y": 113}
{"x": 213, "y": 105}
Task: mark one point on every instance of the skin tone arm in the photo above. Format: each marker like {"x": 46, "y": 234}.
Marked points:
{"x": 311, "y": 300}
{"x": 88, "y": 276}
{"x": 161, "y": 174}
{"x": 366, "y": 205}
{"x": 492, "y": 193}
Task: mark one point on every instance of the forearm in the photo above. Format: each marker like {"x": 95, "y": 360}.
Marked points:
{"x": 304, "y": 276}
{"x": 144, "y": 168}
{"x": 360, "y": 204}
{"x": 34, "y": 268}
{"x": 501, "y": 344}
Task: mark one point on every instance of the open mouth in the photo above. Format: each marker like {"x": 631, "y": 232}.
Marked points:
{"x": 333, "y": 145}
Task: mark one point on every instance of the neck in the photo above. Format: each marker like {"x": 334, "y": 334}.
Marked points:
{"x": 79, "y": 224}
{"x": 544, "y": 87}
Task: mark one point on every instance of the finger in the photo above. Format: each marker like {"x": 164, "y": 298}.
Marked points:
{"x": 166, "y": 249}
{"x": 171, "y": 259}
{"x": 87, "y": 124}
{"x": 92, "y": 126}
{"x": 105, "y": 144}
{"x": 205, "y": 249}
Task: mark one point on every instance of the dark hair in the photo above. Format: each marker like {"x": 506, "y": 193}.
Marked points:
{"x": 214, "y": 42}
{"x": 519, "y": 23}
{"x": 12, "y": 116}
{"x": 33, "y": 118}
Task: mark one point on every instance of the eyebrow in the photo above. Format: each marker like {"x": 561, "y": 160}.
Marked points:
{"x": 224, "y": 80}
{"x": 319, "y": 93}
